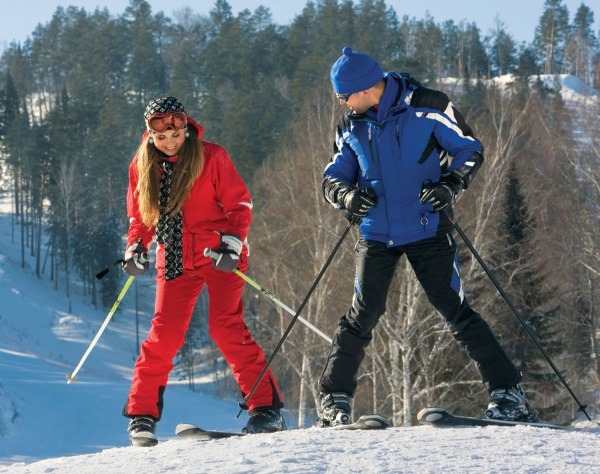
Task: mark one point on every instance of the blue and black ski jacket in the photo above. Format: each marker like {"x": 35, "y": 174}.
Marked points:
{"x": 414, "y": 137}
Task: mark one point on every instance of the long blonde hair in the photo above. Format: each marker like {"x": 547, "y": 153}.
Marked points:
{"x": 187, "y": 169}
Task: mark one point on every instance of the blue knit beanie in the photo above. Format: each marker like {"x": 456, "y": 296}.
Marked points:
{"x": 354, "y": 72}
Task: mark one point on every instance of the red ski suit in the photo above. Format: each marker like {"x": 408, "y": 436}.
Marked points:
{"x": 218, "y": 203}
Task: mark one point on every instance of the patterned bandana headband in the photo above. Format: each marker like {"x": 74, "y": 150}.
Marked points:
{"x": 163, "y": 105}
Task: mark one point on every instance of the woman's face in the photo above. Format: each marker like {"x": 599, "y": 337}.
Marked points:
{"x": 169, "y": 141}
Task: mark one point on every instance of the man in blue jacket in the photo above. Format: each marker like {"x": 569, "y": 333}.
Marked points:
{"x": 402, "y": 154}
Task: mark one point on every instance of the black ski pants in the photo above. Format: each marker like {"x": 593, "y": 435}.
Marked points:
{"x": 435, "y": 264}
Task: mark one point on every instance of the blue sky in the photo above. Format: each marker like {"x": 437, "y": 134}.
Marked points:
{"x": 519, "y": 16}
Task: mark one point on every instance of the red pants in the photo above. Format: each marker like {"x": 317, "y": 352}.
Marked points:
{"x": 175, "y": 300}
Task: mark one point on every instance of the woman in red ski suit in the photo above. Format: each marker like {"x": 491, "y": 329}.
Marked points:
{"x": 187, "y": 192}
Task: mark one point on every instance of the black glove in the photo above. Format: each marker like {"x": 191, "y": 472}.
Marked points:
{"x": 357, "y": 201}
{"x": 136, "y": 259}
{"x": 227, "y": 256}
{"x": 440, "y": 195}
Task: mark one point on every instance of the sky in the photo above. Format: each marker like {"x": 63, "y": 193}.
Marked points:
{"x": 49, "y": 426}
{"x": 519, "y": 16}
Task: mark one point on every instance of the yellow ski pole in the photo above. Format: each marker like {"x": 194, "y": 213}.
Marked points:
{"x": 72, "y": 377}
{"x": 275, "y": 300}
{"x": 212, "y": 254}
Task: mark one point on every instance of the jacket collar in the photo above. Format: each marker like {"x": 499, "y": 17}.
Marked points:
{"x": 398, "y": 86}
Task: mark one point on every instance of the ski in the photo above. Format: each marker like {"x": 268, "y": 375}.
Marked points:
{"x": 436, "y": 416}
{"x": 189, "y": 431}
{"x": 365, "y": 422}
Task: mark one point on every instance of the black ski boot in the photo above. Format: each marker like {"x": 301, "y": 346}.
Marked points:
{"x": 264, "y": 420}
{"x": 336, "y": 409}
{"x": 141, "y": 431}
{"x": 510, "y": 404}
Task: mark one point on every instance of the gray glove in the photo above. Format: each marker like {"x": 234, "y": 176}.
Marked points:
{"x": 136, "y": 259}
{"x": 227, "y": 257}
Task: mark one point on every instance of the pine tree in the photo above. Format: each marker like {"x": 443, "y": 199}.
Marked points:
{"x": 580, "y": 44}
{"x": 503, "y": 51}
{"x": 551, "y": 34}
{"x": 14, "y": 131}
{"x": 422, "y": 52}
{"x": 145, "y": 71}
{"x": 524, "y": 277}
{"x": 526, "y": 66}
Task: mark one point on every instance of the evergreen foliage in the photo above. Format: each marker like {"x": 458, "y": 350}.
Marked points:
{"x": 524, "y": 271}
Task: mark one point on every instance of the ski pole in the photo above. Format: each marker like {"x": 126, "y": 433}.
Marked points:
{"x": 244, "y": 405}
{"x": 72, "y": 377}
{"x": 250, "y": 281}
{"x": 515, "y": 311}
{"x": 101, "y": 274}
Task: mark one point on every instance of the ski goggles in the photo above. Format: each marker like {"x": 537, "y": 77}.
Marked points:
{"x": 159, "y": 123}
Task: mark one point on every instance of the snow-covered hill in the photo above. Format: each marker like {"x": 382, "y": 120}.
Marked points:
{"x": 49, "y": 426}
{"x": 571, "y": 87}
{"x": 397, "y": 450}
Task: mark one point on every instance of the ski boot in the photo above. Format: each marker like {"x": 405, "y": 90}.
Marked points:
{"x": 264, "y": 420}
{"x": 141, "y": 431}
{"x": 510, "y": 404}
{"x": 336, "y": 409}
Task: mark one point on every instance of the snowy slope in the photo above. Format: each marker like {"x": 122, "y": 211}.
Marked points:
{"x": 49, "y": 426}
{"x": 418, "y": 450}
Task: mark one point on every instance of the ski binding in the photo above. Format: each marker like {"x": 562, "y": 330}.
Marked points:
{"x": 365, "y": 422}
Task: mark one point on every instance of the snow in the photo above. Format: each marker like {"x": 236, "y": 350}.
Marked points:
{"x": 49, "y": 426}
{"x": 419, "y": 450}
{"x": 573, "y": 90}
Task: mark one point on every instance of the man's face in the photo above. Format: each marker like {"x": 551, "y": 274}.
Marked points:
{"x": 359, "y": 102}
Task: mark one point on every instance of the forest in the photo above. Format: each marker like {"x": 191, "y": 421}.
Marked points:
{"x": 72, "y": 98}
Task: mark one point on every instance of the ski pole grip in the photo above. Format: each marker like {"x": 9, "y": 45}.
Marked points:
{"x": 352, "y": 219}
